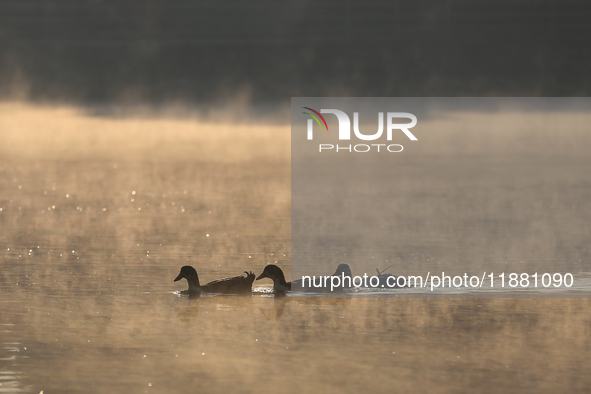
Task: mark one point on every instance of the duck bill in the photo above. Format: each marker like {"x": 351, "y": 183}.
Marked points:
{"x": 179, "y": 277}
{"x": 262, "y": 276}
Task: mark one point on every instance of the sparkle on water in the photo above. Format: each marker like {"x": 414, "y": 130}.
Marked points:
{"x": 89, "y": 304}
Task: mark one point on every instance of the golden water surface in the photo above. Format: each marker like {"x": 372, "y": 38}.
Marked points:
{"x": 98, "y": 214}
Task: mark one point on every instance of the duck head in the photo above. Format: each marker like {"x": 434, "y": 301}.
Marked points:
{"x": 343, "y": 269}
{"x": 190, "y": 274}
{"x": 274, "y": 273}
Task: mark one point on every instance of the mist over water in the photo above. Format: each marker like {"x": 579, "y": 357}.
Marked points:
{"x": 99, "y": 214}
{"x": 93, "y": 234}
{"x": 138, "y": 137}
{"x": 481, "y": 191}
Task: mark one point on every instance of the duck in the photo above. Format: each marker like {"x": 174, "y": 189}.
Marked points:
{"x": 280, "y": 285}
{"x": 236, "y": 285}
{"x": 276, "y": 275}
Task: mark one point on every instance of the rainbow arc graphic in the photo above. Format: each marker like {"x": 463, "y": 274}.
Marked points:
{"x": 316, "y": 117}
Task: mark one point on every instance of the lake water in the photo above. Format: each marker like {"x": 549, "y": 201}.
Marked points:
{"x": 98, "y": 214}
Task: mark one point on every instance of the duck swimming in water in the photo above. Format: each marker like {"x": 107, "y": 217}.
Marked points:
{"x": 280, "y": 285}
{"x": 236, "y": 285}
{"x": 276, "y": 275}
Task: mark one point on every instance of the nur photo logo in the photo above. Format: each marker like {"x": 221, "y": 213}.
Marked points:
{"x": 344, "y": 130}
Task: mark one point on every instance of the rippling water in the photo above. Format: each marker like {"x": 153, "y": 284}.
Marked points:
{"x": 90, "y": 245}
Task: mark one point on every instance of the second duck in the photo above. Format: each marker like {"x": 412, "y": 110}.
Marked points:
{"x": 241, "y": 284}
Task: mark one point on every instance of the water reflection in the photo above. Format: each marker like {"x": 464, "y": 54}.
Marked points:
{"x": 11, "y": 381}
{"x": 81, "y": 339}
{"x": 275, "y": 312}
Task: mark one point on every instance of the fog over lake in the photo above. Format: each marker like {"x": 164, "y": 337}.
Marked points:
{"x": 95, "y": 232}
{"x": 139, "y": 137}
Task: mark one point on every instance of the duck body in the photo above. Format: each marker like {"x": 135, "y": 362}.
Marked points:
{"x": 343, "y": 272}
{"x": 387, "y": 281}
{"x": 241, "y": 284}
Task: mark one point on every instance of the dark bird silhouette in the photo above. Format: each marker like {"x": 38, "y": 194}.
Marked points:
{"x": 236, "y": 285}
